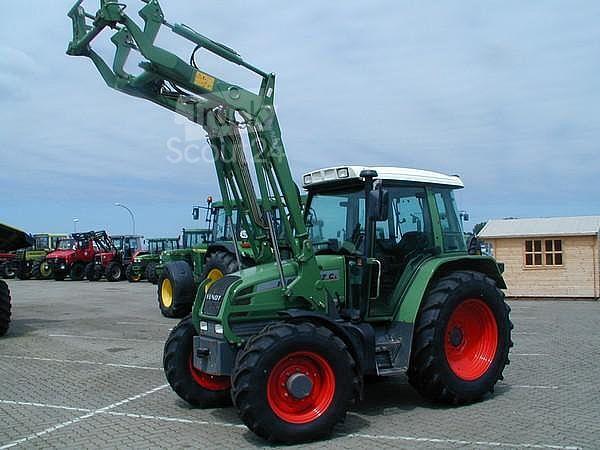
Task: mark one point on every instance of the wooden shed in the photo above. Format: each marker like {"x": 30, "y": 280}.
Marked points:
{"x": 554, "y": 257}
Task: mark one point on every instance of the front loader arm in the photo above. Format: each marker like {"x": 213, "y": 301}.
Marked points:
{"x": 216, "y": 105}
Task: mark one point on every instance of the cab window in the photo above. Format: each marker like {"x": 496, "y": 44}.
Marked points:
{"x": 452, "y": 233}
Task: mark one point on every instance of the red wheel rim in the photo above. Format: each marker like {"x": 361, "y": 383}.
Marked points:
{"x": 471, "y": 339}
{"x": 312, "y": 406}
{"x": 207, "y": 381}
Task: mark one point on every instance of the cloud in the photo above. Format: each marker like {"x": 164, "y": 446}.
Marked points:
{"x": 504, "y": 93}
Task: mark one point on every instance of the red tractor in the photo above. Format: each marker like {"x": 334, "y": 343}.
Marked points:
{"x": 112, "y": 264}
{"x": 71, "y": 262}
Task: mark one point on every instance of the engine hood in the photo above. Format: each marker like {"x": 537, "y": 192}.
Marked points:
{"x": 255, "y": 293}
{"x": 60, "y": 254}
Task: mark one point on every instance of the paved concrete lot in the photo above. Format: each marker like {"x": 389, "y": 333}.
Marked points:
{"x": 81, "y": 367}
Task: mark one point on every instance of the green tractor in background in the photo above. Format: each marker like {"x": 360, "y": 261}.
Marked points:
{"x": 31, "y": 262}
{"x": 371, "y": 277}
{"x": 206, "y": 254}
{"x": 145, "y": 263}
{"x": 11, "y": 239}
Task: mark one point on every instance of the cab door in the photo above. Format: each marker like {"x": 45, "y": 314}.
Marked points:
{"x": 398, "y": 242}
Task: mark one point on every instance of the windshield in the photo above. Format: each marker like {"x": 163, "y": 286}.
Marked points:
{"x": 117, "y": 242}
{"x": 336, "y": 221}
{"x": 42, "y": 242}
{"x": 65, "y": 244}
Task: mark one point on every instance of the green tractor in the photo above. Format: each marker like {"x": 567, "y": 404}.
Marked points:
{"x": 11, "y": 239}
{"x": 31, "y": 262}
{"x": 207, "y": 254}
{"x": 145, "y": 263}
{"x": 371, "y": 278}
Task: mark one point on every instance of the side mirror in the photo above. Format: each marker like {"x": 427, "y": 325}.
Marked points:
{"x": 466, "y": 217}
{"x": 196, "y": 213}
{"x": 379, "y": 202}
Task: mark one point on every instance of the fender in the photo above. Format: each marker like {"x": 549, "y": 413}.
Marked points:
{"x": 359, "y": 337}
{"x": 425, "y": 276}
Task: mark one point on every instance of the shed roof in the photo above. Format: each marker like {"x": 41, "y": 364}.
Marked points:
{"x": 547, "y": 226}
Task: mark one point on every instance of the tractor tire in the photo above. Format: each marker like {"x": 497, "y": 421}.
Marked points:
{"x": 114, "y": 271}
{"x": 462, "y": 339}
{"x": 324, "y": 375}
{"x": 131, "y": 277}
{"x": 35, "y": 270}
{"x": 176, "y": 289}
{"x": 23, "y": 273}
{"x": 4, "y": 308}
{"x": 93, "y": 272}
{"x": 46, "y": 270}
{"x": 195, "y": 387}
{"x": 6, "y": 271}
{"x": 59, "y": 276}
{"x": 217, "y": 265}
{"x": 77, "y": 271}
{"x": 151, "y": 273}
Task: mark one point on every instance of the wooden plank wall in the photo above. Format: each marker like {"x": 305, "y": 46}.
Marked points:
{"x": 579, "y": 276}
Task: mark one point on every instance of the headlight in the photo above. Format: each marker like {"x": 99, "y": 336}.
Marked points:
{"x": 203, "y": 326}
{"x": 218, "y": 328}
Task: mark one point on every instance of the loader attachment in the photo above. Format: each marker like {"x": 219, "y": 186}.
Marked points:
{"x": 224, "y": 110}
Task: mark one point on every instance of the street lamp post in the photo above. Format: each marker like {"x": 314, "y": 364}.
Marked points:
{"x": 130, "y": 213}
{"x": 75, "y": 220}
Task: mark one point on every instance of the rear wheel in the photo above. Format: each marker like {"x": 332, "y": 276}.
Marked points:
{"x": 114, "y": 271}
{"x": 77, "y": 271}
{"x": 462, "y": 339}
{"x": 192, "y": 385}
{"x": 294, "y": 382}
{"x": 151, "y": 273}
{"x": 132, "y": 277}
{"x": 4, "y": 308}
{"x": 176, "y": 289}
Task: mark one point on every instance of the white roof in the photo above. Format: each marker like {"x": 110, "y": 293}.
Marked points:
{"x": 383, "y": 173}
{"x": 549, "y": 226}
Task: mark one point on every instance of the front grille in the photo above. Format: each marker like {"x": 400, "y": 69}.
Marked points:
{"x": 214, "y": 296}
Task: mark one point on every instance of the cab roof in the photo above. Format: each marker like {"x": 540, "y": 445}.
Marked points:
{"x": 343, "y": 173}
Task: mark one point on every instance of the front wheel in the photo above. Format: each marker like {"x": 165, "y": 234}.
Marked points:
{"x": 462, "y": 339}
{"x": 46, "y": 270}
{"x": 132, "y": 277}
{"x": 192, "y": 385}
{"x": 176, "y": 289}
{"x": 294, "y": 382}
{"x": 77, "y": 271}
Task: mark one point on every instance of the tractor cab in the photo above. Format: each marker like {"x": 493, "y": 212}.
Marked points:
{"x": 393, "y": 217}
{"x": 158, "y": 245}
{"x": 196, "y": 238}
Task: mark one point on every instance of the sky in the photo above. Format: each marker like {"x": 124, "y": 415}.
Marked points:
{"x": 504, "y": 93}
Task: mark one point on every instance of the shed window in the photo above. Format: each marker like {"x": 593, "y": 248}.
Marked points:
{"x": 543, "y": 252}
